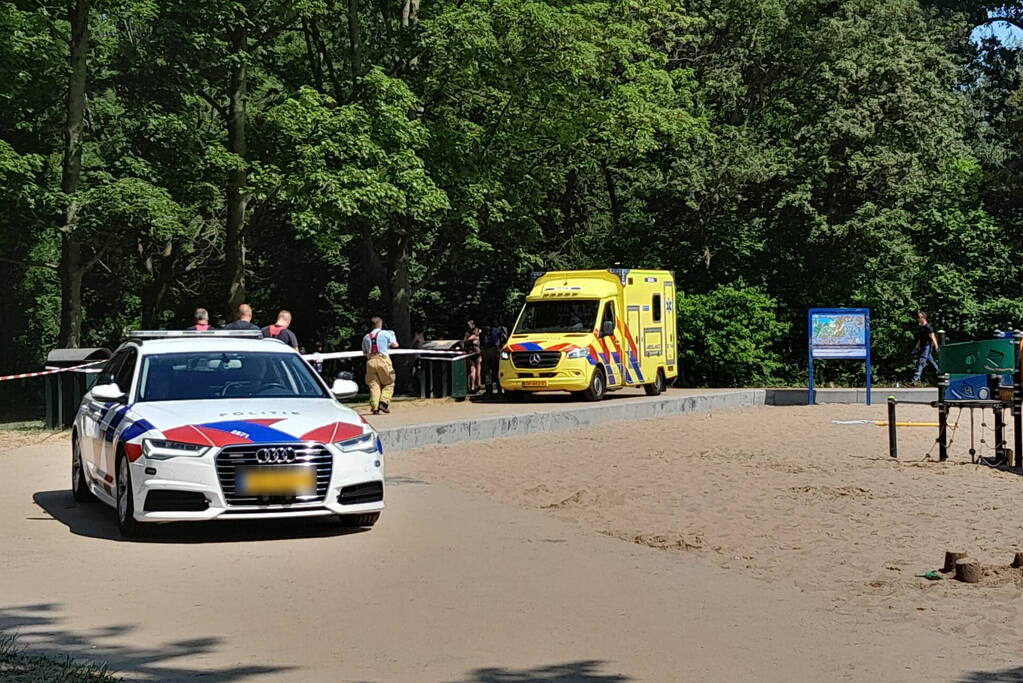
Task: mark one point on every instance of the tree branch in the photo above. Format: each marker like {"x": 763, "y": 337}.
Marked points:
{"x": 29, "y": 264}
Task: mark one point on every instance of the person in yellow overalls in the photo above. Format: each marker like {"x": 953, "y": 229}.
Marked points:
{"x": 376, "y": 346}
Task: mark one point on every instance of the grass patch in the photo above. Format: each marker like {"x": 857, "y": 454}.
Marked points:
{"x": 17, "y": 666}
{"x": 24, "y": 426}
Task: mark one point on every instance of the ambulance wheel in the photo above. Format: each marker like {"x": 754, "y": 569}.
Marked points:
{"x": 656, "y": 387}
{"x": 79, "y": 487}
{"x": 514, "y": 396}
{"x": 126, "y": 522}
{"x": 598, "y": 384}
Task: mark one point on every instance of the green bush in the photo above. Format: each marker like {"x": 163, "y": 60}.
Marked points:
{"x": 728, "y": 336}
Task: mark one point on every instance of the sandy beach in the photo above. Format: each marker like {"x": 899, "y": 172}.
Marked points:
{"x": 781, "y": 495}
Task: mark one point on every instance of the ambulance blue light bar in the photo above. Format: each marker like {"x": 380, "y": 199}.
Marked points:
{"x": 205, "y": 334}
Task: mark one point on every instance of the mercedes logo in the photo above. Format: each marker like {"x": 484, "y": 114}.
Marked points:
{"x": 534, "y": 359}
{"x": 267, "y": 456}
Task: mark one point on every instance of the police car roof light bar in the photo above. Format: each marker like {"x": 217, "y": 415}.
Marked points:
{"x": 179, "y": 334}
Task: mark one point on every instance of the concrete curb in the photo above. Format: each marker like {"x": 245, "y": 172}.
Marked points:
{"x": 798, "y": 397}
{"x": 417, "y": 435}
{"x": 412, "y": 436}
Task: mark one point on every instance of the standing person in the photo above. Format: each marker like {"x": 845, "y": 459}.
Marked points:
{"x": 926, "y": 347}
{"x": 279, "y": 330}
{"x": 242, "y": 319}
{"x": 376, "y": 346}
{"x": 493, "y": 340}
{"x": 471, "y": 344}
{"x": 202, "y": 320}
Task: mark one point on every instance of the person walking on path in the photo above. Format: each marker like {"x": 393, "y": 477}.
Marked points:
{"x": 243, "y": 319}
{"x": 279, "y": 330}
{"x": 202, "y": 320}
{"x": 376, "y": 346}
{"x": 926, "y": 347}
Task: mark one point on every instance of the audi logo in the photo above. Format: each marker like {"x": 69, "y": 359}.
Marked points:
{"x": 268, "y": 456}
{"x": 534, "y": 359}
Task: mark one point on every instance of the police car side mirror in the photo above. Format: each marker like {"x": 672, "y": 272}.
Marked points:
{"x": 106, "y": 393}
{"x": 344, "y": 375}
{"x": 344, "y": 388}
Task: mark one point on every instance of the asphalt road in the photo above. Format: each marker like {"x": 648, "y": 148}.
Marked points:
{"x": 447, "y": 587}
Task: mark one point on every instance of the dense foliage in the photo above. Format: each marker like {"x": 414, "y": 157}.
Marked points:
{"x": 421, "y": 159}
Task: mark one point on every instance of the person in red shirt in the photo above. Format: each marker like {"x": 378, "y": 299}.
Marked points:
{"x": 202, "y": 320}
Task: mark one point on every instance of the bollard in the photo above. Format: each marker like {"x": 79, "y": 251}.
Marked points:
{"x": 893, "y": 448}
{"x": 942, "y": 418}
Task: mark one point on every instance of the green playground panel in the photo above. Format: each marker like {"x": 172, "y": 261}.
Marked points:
{"x": 985, "y": 357}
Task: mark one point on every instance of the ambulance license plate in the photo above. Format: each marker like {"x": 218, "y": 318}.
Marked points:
{"x": 535, "y": 384}
{"x": 275, "y": 481}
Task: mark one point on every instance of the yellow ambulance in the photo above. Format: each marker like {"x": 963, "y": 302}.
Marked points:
{"x": 593, "y": 331}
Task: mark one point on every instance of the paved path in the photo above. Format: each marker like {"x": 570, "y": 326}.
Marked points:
{"x": 448, "y": 587}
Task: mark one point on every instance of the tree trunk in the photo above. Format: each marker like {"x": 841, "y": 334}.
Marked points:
{"x": 237, "y": 179}
{"x": 71, "y": 268}
{"x": 355, "y": 40}
{"x": 612, "y": 195}
{"x": 401, "y": 291}
{"x": 160, "y": 281}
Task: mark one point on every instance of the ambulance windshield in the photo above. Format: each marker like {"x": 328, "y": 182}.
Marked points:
{"x": 558, "y": 316}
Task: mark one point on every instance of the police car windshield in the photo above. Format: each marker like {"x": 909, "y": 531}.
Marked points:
{"x": 215, "y": 374}
{"x": 557, "y": 316}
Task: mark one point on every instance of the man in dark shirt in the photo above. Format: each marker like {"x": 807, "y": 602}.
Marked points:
{"x": 243, "y": 319}
{"x": 492, "y": 341}
{"x": 926, "y": 347}
{"x": 279, "y": 330}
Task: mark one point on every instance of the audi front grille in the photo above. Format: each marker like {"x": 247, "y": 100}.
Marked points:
{"x": 308, "y": 455}
{"x": 535, "y": 360}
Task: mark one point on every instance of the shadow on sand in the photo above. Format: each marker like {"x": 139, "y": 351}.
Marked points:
{"x": 96, "y": 520}
{"x": 583, "y": 671}
{"x": 1013, "y": 675}
{"x": 40, "y": 631}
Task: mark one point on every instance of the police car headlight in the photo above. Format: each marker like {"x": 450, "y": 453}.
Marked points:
{"x": 505, "y": 355}
{"x": 577, "y": 353}
{"x": 159, "y": 449}
{"x": 367, "y": 443}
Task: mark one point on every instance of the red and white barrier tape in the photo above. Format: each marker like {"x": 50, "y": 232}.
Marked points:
{"x": 53, "y": 371}
{"x": 446, "y": 355}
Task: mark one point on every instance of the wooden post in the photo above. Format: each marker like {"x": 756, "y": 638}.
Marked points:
{"x": 994, "y": 382}
{"x": 942, "y": 418}
{"x": 951, "y": 557}
{"x": 1017, "y": 402}
{"x": 893, "y": 447}
{"x": 967, "y": 570}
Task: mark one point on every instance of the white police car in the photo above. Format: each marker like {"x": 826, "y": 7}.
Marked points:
{"x": 222, "y": 425}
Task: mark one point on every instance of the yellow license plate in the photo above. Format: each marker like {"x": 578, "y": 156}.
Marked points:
{"x": 534, "y": 384}
{"x": 276, "y": 481}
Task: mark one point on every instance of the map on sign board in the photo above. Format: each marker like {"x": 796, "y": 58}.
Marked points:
{"x": 839, "y": 334}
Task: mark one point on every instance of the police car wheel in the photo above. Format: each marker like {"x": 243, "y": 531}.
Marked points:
{"x": 595, "y": 391}
{"x": 356, "y": 521}
{"x": 79, "y": 487}
{"x": 126, "y": 522}
{"x": 657, "y": 386}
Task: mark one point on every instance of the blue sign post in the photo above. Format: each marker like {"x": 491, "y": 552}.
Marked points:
{"x": 842, "y": 333}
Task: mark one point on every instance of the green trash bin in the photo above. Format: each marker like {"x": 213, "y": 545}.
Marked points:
{"x": 439, "y": 376}
{"x": 64, "y": 390}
